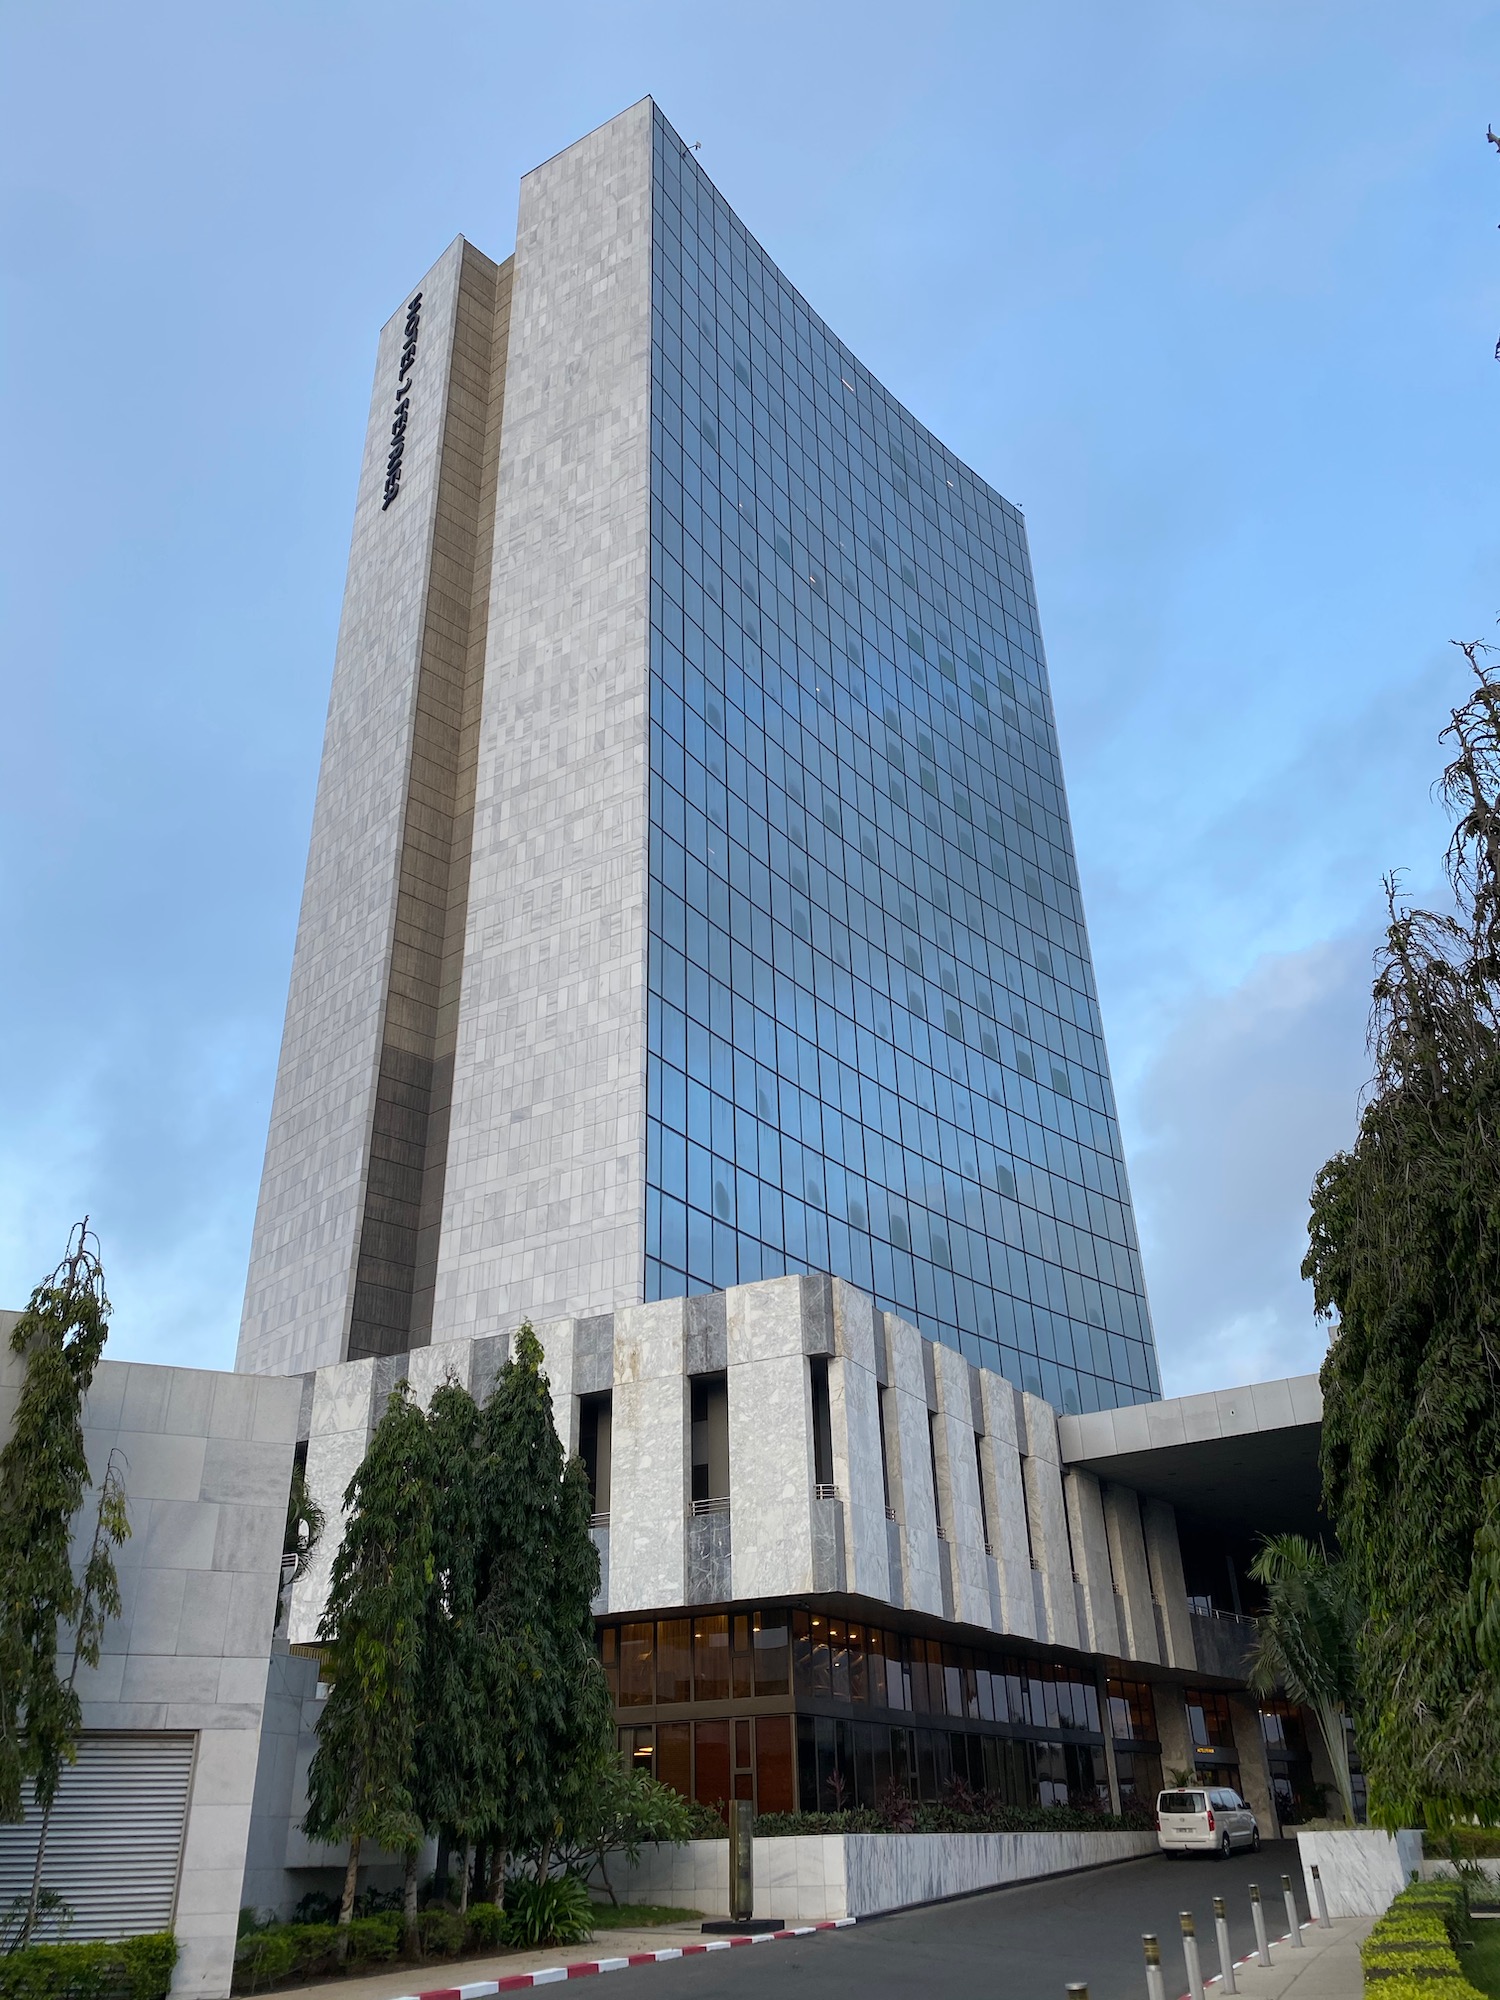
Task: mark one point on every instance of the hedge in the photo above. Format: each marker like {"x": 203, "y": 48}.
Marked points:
{"x": 138, "y": 1968}
{"x": 951, "y": 1819}
{"x": 1412, "y": 1952}
{"x": 275, "y": 1953}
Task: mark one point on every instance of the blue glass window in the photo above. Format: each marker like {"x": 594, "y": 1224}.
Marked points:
{"x": 874, "y": 1043}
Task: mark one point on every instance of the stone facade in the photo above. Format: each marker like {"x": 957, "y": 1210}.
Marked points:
{"x": 207, "y": 1460}
{"x": 782, "y": 1535}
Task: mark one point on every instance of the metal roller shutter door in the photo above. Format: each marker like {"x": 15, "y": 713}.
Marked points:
{"x": 114, "y": 1848}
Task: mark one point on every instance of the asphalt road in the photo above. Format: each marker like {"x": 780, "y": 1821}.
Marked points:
{"x": 1024, "y": 1943}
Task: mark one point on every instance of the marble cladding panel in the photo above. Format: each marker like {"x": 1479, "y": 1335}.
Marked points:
{"x": 911, "y": 1466}
{"x": 543, "y": 1207}
{"x": 854, "y": 1411}
{"x": 1127, "y": 1541}
{"x": 893, "y": 1871}
{"x": 650, "y": 1483}
{"x": 1049, "y": 1522}
{"x": 1164, "y": 1556}
{"x": 1361, "y": 1868}
{"x": 306, "y": 1237}
{"x": 1012, "y": 1545}
{"x": 343, "y": 1400}
{"x": 770, "y": 1439}
{"x": 813, "y": 1878}
{"x": 206, "y": 1469}
{"x": 779, "y": 1539}
{"x": 710, "y": 1557}
{"x": 1085, "y": 1506}
{"x": 958, "y": 1470}
{"x": 692, "y": 1877}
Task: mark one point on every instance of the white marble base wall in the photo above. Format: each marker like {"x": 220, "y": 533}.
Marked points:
{"x": 1361, "y": 1867}
{"x": 692, "y": 1877}
{"x": 808, "y": 1878}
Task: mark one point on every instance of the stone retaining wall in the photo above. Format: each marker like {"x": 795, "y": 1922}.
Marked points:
{"x": 807, "y": 1878}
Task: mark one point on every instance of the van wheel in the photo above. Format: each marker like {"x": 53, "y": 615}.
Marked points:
{"x": 1226, "y": 1848}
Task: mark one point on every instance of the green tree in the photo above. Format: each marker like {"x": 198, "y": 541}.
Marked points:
{"x": 618, "y": 1813}
{"x": 1405, "y": 1255}
{"x": 452, "y": 1721}
{"x": 543, "y": 1687}
{"x": 363, "y": 1770}
{"x": 1306, "y": 1643}
{"x": 43, "y": 1476}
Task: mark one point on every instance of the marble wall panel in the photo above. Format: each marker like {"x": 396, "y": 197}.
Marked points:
{"x": 543, "y": 1207}
{"x": 1085, "y": 1506}
{"x": 770, "y": 1440}
{"x": 307, "y": 1222}
{"x": 1008, "y": 1529}
{"x": 958, "y": 1470}
{"x": 911, "y": 1466}
{"x": 1164, "y": 1556}
{"x": 650, "y": 1483}
{"x": 1127, "y": 1541}
{"x": 854, "y": 1408}
{"x": 1049, "y": 1523}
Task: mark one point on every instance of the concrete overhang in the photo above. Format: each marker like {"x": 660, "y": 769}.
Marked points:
{"x": 1245, "y": 1459}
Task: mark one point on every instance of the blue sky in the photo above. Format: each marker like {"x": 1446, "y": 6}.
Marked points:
{"x": 1211, "y": 291}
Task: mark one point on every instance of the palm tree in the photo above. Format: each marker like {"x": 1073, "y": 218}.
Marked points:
{"x": 1307, "y": 1641}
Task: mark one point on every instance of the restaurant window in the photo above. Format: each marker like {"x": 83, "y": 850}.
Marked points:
{"x": 674, "y": 1756}
{"x": 768, "y": 1637}
{"x": 1132, "y": 1712}
{"x": 713, "y": 1783}
{"x": 1208, "y": 1720}
{"x": 775, "y": 1788}
{"x": 637, "y": 1666}
{"x": 674, "y": 1659}
{"x": 711, "y": 1676}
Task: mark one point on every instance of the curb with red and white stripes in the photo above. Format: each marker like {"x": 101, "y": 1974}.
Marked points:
{"x": 481, "y": 1989}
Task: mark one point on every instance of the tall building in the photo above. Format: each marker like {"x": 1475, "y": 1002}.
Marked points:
{"x": 691, "y": 898}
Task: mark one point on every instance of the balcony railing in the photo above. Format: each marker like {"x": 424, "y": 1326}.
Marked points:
{"x": 826, "y": 1490}
{"x": 719, "y": 1506}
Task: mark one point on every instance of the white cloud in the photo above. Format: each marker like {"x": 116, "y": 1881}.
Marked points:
{"x": 1245, "y": 1097}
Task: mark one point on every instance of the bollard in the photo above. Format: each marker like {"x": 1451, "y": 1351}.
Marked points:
{"x": 1154, "y": 1988}
{"x": 741, "y": 1860}
{"x": 1190, "y": 1954}
{"x": 1077, "y": 1989}
{"x": 1293, "y": 1920}
{"x": 1262, "y": 1947}
{"x": 1323, "y": 1918}
{"x": 1226, "y": 1962}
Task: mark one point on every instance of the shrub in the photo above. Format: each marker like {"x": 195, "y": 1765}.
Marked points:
{"x": 556, "y": 1910}
{"x": 1411, "y": 1954}
{"x": 310, "y": 1951}
{"x": 899, "y": 1814}
{"x": 443, "y": 1933}
{"x": 486, "y": 1922}
{"x": 139, "y": 1968}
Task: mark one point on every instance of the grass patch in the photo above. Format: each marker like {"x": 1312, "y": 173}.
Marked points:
{"x": 1481, "y": 1964}
{"x": 641, "y": 1916}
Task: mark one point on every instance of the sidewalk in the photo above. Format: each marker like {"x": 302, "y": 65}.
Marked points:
{"x": 1327, "y": 1967}
{"x": 472, "y": 1978}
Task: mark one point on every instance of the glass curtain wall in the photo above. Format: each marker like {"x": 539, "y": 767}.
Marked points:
{"x": 874, "y": 1044}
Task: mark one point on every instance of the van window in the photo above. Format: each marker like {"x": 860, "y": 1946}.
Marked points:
{"x": 1180, "y": 1802}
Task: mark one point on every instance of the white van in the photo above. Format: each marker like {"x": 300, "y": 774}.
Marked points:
{"x": 1210, "y": 1820}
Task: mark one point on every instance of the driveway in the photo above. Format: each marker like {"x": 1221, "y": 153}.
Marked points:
{"x": 1024, "y": 1943}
